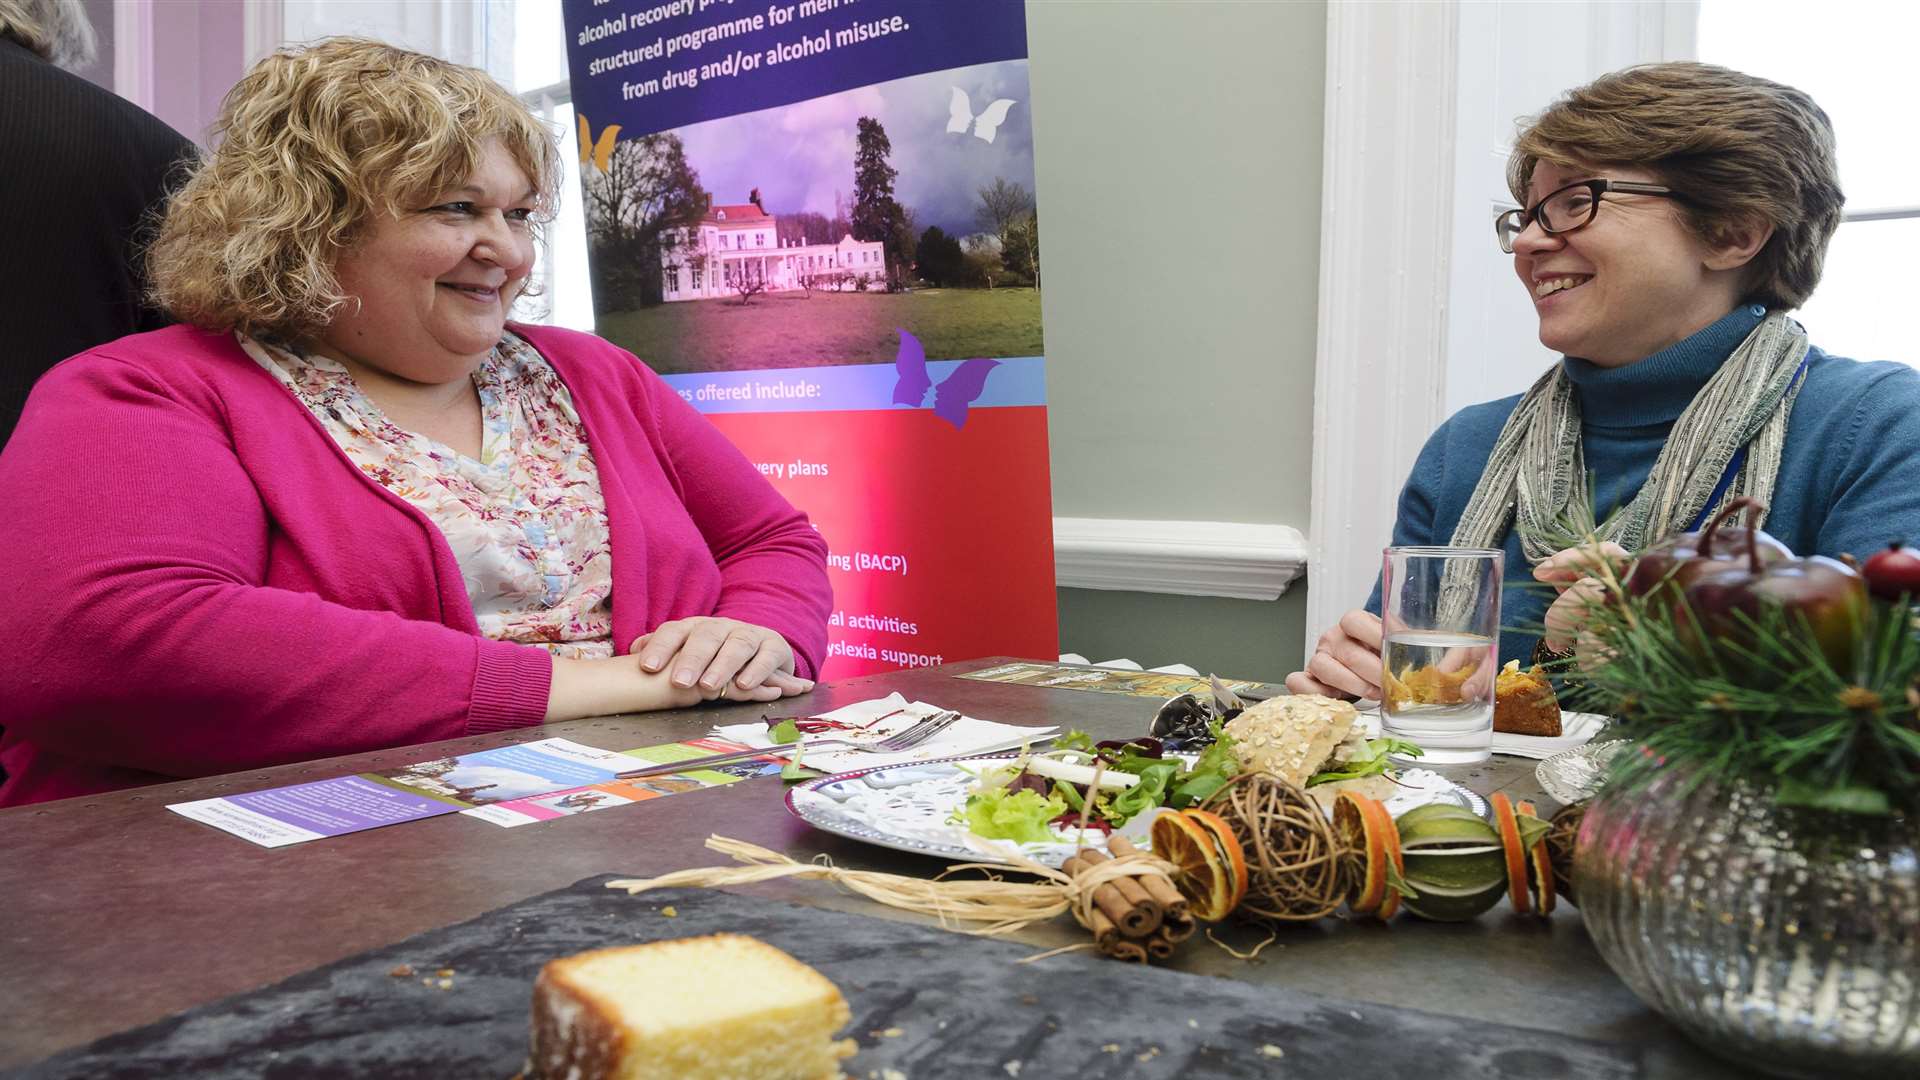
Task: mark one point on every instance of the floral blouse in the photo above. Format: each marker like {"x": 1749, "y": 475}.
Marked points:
{"x": 526, "y": 522}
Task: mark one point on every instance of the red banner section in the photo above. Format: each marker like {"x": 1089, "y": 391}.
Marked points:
{"x": 941, "y": 538}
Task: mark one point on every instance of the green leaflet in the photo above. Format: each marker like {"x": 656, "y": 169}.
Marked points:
{"x": 792, "y": 770}
{"x": 1021, "y": 817}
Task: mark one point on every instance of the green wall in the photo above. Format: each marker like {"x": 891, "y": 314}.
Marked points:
{"x": 1247, "y": 639}
{"x": 1178, "y": 160}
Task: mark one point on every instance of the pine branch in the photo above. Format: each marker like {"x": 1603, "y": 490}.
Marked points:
{"x": 1764, "y": 705}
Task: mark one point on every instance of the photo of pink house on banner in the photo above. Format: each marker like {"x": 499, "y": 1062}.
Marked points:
{"x": 817, "y": 220}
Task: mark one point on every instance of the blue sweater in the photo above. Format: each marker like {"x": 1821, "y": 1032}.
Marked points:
{"x": 1849, "y": 474}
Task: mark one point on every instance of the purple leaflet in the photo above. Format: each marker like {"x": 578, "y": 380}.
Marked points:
{"x": 1112, "y": 750}
{"x": 1071, "y": 820}
{"x": 1033, "y": 782}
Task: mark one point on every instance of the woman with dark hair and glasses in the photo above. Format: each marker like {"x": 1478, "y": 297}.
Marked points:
{"x": 1671, "y": 216}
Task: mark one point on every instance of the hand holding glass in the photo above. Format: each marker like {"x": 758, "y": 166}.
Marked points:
{"x": 1440, "y": 615}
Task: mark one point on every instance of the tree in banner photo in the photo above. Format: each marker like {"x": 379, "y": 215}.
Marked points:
{"x": 819, "y": 222}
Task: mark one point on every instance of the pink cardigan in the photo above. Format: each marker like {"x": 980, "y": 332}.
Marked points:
{"x": 199, "y": 582}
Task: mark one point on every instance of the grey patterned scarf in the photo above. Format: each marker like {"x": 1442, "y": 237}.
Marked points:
{"x": 1536, "y": 477}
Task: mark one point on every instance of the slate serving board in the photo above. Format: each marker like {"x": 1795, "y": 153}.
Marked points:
{"x": 927, "y": 1003}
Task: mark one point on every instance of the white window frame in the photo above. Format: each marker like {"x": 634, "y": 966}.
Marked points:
{"x": 545, "y": 103}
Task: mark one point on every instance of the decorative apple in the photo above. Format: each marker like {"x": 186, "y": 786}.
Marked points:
{"x": 1828, "y": 595}
{"x": 1680, "y": 560}
{"x": 1893, "y": 572}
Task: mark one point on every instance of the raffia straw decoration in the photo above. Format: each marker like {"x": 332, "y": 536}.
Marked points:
{"x": 1000, "y": 906}
{"x": 1294, "y": 861}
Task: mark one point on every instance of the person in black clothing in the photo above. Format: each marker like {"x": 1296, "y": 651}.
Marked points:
{"x": 85, "y": 173}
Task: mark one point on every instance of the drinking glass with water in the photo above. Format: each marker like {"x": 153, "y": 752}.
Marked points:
{"x": 1440, "y": 610}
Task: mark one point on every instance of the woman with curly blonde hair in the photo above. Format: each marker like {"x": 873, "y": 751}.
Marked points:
{"x": 350, "y": 505}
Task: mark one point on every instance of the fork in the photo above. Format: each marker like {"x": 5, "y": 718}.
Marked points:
{"x": 911, "y": 737}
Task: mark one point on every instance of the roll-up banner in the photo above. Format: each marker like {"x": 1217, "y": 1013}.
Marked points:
{"x": 817, "y": 220}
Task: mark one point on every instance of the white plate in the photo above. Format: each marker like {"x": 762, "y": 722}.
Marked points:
{"x": 1576, "y": 729}
{"x": 907, "y": 808}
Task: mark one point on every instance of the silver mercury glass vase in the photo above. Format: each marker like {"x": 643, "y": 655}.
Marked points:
{"x": 1785, "y": 939}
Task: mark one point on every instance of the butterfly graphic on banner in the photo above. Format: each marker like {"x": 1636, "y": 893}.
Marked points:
{"x": 961, "y": 388}
{"x": 599, "y": 153}
{"x": 986, "y": 125}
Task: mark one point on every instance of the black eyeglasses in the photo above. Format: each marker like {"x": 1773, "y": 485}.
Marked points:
{"x": 1568, "y": 209}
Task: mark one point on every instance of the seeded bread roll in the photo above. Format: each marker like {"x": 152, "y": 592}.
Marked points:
{"x": 1290, "y": 736}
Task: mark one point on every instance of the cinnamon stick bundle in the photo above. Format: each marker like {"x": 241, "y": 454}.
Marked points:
{"x": 1134, "y": 918}
{"x": 1172, "y": 904}
{"x": 1143, "y": 911}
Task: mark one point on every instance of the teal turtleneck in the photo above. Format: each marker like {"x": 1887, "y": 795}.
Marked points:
{"x": 1849, "y": 476}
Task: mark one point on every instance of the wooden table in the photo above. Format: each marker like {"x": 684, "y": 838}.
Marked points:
{"x": 119, "y": 913}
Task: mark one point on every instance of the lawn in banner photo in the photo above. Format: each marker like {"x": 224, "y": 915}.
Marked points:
{"x": 789, "y": 330}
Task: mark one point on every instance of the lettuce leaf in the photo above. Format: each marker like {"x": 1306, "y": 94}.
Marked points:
{"x": 1369, "y": 761}
{"x": 1146, "y": 794}
{"x": 1020, "y": 816}
{"x": 786, "y": 731}
{"x": 1073, "y": 740}
{"x": 1216, "y": 765}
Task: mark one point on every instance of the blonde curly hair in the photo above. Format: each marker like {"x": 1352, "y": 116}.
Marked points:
{"x": 313, "y": 143}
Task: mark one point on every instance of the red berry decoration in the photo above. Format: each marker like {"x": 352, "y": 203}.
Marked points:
{"x": 1893, "y": 572}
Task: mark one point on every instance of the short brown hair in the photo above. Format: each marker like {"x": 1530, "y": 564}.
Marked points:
{"x": 1738, "y": 149}
{"x": 314, "y": 142}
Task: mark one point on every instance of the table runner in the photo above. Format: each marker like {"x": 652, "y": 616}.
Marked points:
{"x": 926, "y": 1002}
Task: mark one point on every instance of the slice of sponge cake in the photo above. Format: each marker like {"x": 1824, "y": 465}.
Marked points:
{"x": 719, "y": 1007}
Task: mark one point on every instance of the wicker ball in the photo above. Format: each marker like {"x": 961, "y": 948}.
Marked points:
{"x": 1562, "y": 833}
{"x": 1295, "y": 864}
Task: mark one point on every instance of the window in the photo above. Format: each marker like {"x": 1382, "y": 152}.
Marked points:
{"x": 526, "y": 50}
{"x": 1858, "y": 309}
{"x": 697, "y": 276}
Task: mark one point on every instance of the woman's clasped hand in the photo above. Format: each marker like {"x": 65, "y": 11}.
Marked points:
{"x": 1345, "y": 662}
{"x": 722, "y": 657}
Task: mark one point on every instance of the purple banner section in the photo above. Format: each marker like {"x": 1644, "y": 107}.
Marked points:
{"x": 1017, "y": 381}
{"x": 343, "y": 805}
{"x": 654, "y": 65}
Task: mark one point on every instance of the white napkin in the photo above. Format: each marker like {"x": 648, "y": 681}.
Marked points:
{"x": 964, "y": 737}
{"x": 1576, "y": 729}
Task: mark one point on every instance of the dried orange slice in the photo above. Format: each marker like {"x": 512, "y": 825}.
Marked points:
{"x": 1508, "y": 823}
{"x": 1366, "y": 827}
{"x": 1390, "y": 832}
{"x": 1542, "y": 881}
{"x": 1200, "y": 871}
{"x": 1230, "y": 849}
